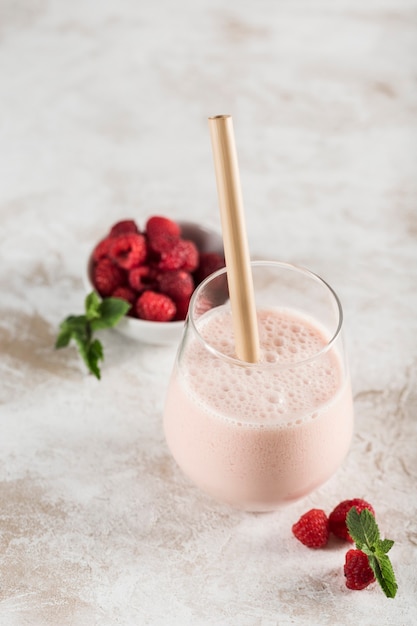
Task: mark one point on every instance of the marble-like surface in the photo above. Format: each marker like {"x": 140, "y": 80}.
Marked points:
{"x": 103, "y": 115}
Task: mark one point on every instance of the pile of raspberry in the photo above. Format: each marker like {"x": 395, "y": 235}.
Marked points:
{"x": 314, "y": 528}
{"x": 156, "y": 270}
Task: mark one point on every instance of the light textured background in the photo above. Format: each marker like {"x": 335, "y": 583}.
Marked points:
{"x": 103, "y": 115}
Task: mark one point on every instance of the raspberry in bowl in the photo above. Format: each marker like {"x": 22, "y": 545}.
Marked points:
{"x": 155, "y": 268}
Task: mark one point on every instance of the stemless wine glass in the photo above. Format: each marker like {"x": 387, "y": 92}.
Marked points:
{"x": 257, "y": 435}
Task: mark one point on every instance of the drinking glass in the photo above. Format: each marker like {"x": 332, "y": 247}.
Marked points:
{"x": 258, "y": 435}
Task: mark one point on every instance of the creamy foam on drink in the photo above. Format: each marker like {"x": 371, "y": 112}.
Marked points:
{"x": 287, "y": 392}
{"x": 263, "y": 433}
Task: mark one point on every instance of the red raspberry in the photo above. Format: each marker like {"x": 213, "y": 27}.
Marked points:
{"x": 182, "y": 255}
{"x": 156, "y": 307}
{"x": 337, "y": 518}
{"x": 191, "y": 256}
{"x": 102, "y": 249}
{"x": 357, "y": 570}
{"x": 128, "y": 250}
{"x": 172, "y": 259}
{"x": 107, "y": 277}
{"x": 209, "y": 263}
{"x": 177, "y": 284}
{"x": 312, "y": 529}
{"x": 125, "y": 294}
{"x": 141, "y": 278}
{"x": 162, "y": 233}
{"x": 125, "y": 226}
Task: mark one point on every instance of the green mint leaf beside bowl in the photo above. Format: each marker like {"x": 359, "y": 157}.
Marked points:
{"x": 99, "y": 314}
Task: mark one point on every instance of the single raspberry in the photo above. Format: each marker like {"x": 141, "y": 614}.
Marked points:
{"x": 180, "y": 256}
{"x": 312, "y": 529}
{"x": 107, "y": 277}
{"x": 337, "y": 518}
{"x": 154, "y": 306}
{"x": 191, "y": 255}
{"x": 357, "y": 570}
{"x": 142, "y": 277}
{"x": 128, "y": 250}
{"x": 125, "y": 226}
{"x": 177, "y": 284}
{"x": 182, "y": 309}
{"x": 171, "y": 260}
{"x": 162, "y": 233}
{"x": 102, "y": 249}
{"x": 209, "y": 262}
{"x": 125, "y": 294}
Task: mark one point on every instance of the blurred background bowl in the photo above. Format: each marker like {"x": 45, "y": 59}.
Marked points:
{"x": 162, "y": 333}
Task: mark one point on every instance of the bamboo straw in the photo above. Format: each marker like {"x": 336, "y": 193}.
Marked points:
{"x": 236, "y": 250}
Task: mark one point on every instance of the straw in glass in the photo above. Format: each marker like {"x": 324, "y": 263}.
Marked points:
{"x": 236, "y": 250}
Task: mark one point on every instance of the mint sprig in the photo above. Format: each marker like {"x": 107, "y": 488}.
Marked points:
{"x": 365, "y": 532}
{"x": 99, "y": 314}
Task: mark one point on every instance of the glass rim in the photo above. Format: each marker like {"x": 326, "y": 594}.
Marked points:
{"x": 268, "y": 365}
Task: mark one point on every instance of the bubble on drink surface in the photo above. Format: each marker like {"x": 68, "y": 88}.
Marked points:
{"x": 275, "y": 398}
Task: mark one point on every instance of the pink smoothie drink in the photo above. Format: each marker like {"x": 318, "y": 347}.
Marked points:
{"x": 258, "y": 435}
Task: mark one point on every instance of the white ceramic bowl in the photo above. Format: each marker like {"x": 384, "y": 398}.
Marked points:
{"x": 162, "y": 333}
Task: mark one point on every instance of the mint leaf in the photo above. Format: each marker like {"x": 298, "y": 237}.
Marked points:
{"x": 365, "y": 532}
{"x": 362, "y": 527}
{"x": 81, "y": 342}
{"x": 99, "y": 314}
{"x": 94, "y": 355}
{"x": 384, "y": 546}
{"x": 92, "y": 306}
{"x": 75, "y": 322}
{"x": 64, "y": 337}
{"x": 68, "y": 327}
{"x": 384, "y": 573}
{"x": 111, "y": 311}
